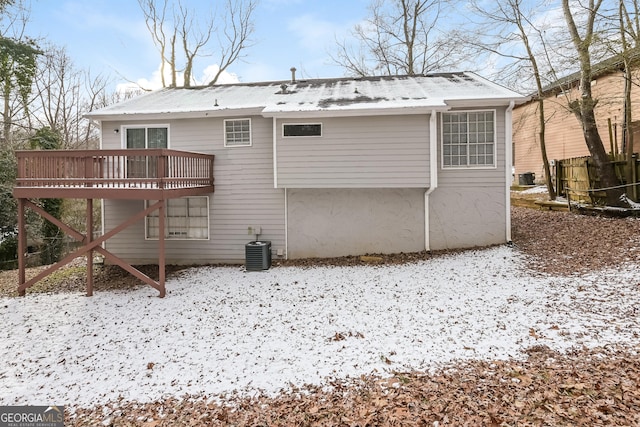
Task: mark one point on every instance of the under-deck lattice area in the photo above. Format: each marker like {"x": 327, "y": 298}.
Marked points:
{"x": 153, "y": 174}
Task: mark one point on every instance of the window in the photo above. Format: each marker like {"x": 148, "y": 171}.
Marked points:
{"x": 302, "y": 129}
{"x": 147, "y": 137}
{"x": 468, "y": 139}
{"x": 186, "y": 219}
{"x": 141, "y": 137}
{"x": 237, "y": 133}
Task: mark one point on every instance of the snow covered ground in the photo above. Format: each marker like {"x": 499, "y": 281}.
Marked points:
{"x": 222, "y": 329}
{"x": 538, "y": 189}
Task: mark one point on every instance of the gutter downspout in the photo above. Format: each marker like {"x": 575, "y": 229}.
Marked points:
{"x": 275, "y": 154}
{"x": 508, "y": 130}
{"x": 433, "y": 171}
{"x": 275, "y": 185}
{"x": 286, "y": 225}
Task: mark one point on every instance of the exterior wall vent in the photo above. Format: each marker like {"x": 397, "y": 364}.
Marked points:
{"x": 258, "y": 255}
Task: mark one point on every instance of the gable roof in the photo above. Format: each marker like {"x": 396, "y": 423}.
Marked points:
{"x": 300, "y": 98}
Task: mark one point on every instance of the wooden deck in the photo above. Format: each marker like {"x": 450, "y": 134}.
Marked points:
{"x": 152, "y": 174}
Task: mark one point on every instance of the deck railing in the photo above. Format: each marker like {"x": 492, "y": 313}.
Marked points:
{"x": 117, "y": 169}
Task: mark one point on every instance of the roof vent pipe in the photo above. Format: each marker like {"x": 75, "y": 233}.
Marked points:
{"x": 293, "y": 74}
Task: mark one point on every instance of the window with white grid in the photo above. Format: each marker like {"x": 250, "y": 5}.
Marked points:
{"x": 468, "y": 139}
{"x": 237, "y": 132}
{"x": 185, "y": 219}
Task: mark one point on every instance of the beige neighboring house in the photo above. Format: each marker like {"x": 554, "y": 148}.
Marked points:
{"x": 563, "y": 133}
{"x": 323, "y": 167}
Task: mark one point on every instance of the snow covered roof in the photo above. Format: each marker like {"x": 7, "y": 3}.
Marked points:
{"x": 343, "y": 96}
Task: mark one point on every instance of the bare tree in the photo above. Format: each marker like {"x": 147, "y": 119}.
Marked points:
{"x": 57, "y": 90}
{"x": 62, "y": 94}
{"x": 95, "y": 93}
{"x": 199, "y": 38}
{"x": 236, "y": 34}
{"x": 629, "y": 23}
{"x": 18, "y": 56}
{"x": 508, "y": 31}
{"x": 584, "y": 106}
{"x": 398, "y": 37}
{"x": 174, "y": 26}
{"x": 155, "y": 20}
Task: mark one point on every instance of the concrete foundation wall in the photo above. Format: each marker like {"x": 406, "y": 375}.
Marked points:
{"x": 467, "y": 217}
{"x": 339, "y": 222}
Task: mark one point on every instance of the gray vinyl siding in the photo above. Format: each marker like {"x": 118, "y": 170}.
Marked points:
{"x": 244, "y": 196}
{"x": 468, "y": 208}
{"x": 476, "y": 177}
{"x": 357, "y": 152}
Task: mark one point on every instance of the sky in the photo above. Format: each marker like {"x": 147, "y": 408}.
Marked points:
{"x": 110, "y": 36}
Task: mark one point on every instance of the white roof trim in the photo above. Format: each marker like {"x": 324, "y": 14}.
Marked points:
{"x": 480, "y": 103}
{"x": 222, "y": 112}
{"x": 355, "y": 112}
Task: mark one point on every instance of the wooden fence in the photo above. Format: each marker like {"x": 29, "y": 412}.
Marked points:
{"x": 577, "y": 179}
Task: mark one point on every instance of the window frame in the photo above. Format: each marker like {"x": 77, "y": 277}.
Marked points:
{"x": 133, "y": 166}
{"x": 303, "y": 124}
{"x": 124, "y": 128}
{"x": 224, "y": 131}
{"x": 168, "y": 235}
{"x": 469, "y": 166}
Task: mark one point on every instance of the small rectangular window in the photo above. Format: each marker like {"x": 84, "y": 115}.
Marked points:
{"x": 237, "y": 132}
{"x": 302, "y": 129}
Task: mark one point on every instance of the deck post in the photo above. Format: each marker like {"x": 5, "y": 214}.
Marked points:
{"x": 161, "y": 248}
{"x": 22, "y": 247}
{"x": 103, "y": 174}
{"x": 90, "y": 253}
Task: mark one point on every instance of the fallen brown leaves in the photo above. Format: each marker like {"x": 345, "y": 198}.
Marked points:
{"x": 564, "y": 243}
{"x": 581, "y": 388}
{"x": 72, "y": 278}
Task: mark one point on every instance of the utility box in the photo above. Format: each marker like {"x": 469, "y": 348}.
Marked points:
{"x": 526, "y": 178}
{"x": 257, "y": 255}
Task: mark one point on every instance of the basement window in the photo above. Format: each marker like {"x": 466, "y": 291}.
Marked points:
{"x": 185, "y": 219}
{"x": 301, "y": 129}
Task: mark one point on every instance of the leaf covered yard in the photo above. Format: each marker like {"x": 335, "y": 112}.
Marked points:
{"x": 544, "y": 333}
{"x": 582, "y": 388}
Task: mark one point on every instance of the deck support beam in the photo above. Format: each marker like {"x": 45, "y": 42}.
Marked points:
{"x": 161, "y": 247}
{"x": 89, "y": 247}
{"x": 90, "y": 254}
{"x": 22, "y": 245}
